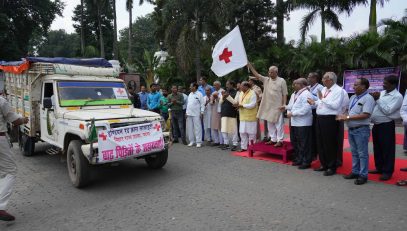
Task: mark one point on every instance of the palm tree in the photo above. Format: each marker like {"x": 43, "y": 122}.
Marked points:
{"x": 82, "y": 32}
{"x": 115, "y": 48}
{"x": 373, "y": 15}
{"x": 98, "y": 4}
{"x": 328, "y": 10}
{"x": 129, "y": 8}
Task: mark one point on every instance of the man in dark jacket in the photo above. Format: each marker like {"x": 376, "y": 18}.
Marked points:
{"x": 228, "y": 116}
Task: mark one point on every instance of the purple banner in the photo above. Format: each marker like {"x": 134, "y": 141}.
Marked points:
{"x": 375, "y": 77}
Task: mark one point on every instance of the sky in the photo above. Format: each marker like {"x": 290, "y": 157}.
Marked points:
{"x": 357, "y": 22}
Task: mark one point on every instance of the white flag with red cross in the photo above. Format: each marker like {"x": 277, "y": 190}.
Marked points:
{"x": 229, "y": 54}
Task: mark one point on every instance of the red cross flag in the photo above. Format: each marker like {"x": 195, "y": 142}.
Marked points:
{"x": 229, "y": 54}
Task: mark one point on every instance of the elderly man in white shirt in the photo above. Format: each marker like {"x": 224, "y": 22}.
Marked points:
{"x": 207, "y": 114}
{"x": 215, "y": 115}
{"x": 300, "y": 113}
{"x": 314, "y": 87}
{"x": 194, "y": 113}
{"x": 387, "y": 109}
{"x": 329, "y": 105}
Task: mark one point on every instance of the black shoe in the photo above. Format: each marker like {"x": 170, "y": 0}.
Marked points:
{"x": 184, "y": 142}
{"x": 351, "y": 176}
{"x": 385, "y": 177}
{"x": 403, "y": 169}
{"x": 375, "y": 171}
{"x": 225, "y": 147}
{"x": 175, "y": 141}
{"x": 266, "y": 139}
{"x": 4, "y": 216}
{"x": 360, "y": 181}
{"x": 234, "y": 148}
{"x": 329, "y": 172}
{"x": 304, "y": 166}
{"x": 295, "y": 163}
{"x": 242, "y": 150}
{"x": 214, "y": 144}
{"x": 320, "y": 169}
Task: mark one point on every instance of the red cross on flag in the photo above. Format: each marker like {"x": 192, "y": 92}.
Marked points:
{"x": 229, "y": 54}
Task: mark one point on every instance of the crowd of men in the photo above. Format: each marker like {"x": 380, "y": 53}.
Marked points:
{"x": 230, "y": 118}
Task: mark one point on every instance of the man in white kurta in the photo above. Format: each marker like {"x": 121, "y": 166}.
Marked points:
{"x": 194, "y": 113}
{"x": 207, "y": 114}
{"x": 274, "y": 97}
{"x": 216, "y": 119}
{"x": 246, "y": 101}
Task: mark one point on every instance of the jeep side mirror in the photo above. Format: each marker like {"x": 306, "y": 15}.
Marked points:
{"x": 47, "y": 103}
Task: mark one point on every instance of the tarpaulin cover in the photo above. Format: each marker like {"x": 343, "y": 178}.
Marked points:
{"x": 93, "y": 62}
{"x": 16, "y": 67}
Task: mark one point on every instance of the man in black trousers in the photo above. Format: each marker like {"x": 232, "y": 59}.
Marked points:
{"x": 328, "y": 107}
{"x": 387, "y": 109}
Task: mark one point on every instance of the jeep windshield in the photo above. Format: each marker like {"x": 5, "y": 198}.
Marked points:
{"x": 83, "y": 93}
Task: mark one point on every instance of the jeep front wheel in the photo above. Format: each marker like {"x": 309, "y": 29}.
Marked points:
{"x": 78, "y": 166}
{"x": 157, "y": 160}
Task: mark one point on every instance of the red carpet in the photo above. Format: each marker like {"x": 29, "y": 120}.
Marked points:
{"x": 399, "y": 137}
{"x": 345, "y": 169}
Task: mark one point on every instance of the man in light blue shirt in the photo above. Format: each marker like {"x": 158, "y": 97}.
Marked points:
{"x": 143, "y": 98}
{"x": 361, "y": 106}
{"x": 153, "y": 99}
{"x": 203, "y": 84}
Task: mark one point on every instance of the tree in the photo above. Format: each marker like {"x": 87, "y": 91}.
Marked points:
{"x": 129, "y": 8}
{"x": 115, "y": 48}
{"x": 82, "y": 31}
{"x": 373, "y": 15}
{"x": 60, "y": 44}
{"x": 143, "y": 28}
{"x": 328, "y": 11}
{"x": 23, "y": 24}
{"x": 97, "y": 25}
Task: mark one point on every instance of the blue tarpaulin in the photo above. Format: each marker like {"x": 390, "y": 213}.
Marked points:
{"x": 93, "y": 62}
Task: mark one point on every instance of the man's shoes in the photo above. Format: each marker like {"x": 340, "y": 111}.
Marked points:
{"x": 320, "y": 169}
{"x": 329, "y": 172}
{"x": 191, "y": 144}
{"x": 184, "y": 142}
{"x": 360, "y": 180}
{"x": 214, "y": 144}
{"x": 198, "y": 145}
{"x": 234, "y": 148}
{"x": 278, "y": 144}
{"x": 175, "y": 141}
{"x": 242, "y": 150}
{"x": 5, "y": 216}
{"x": 304, "y": 166}
{"x": 403, "y": 169}
{"x": 351, "y": 176}
{"x": 295, "y": 163}
{"x": 225, "y": 147}
{"x": 266, "y": 139}
{"x": 385, "y": 177}
{"x": 375, "y": 171}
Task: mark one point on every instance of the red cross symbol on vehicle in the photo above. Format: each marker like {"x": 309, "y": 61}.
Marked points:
{"x": 225, "y": 56}
{"x": 103, "y": 136}
{"x": 120, "y": 91}
{"x": 157, "y": 127}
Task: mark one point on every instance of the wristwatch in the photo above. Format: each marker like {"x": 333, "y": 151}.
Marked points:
{"x": 347, "y": 117}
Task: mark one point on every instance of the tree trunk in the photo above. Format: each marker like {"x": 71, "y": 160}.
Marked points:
{"x": 115, "y": 50}
{"x": 372, "y": 16}
{"x": 280, "y": 21}
{"x": 82, "y": 32}
{"x": 102, "y": 44}
{"x": 322, "y": 25}
{"x": 197, "y": 47}
{"x": 130, "y": 34}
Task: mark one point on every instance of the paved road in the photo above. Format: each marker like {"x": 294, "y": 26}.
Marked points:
{"x": 200, "y": 189}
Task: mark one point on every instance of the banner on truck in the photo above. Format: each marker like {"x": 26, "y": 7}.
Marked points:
{"x": 131, "y": 141}
{"x": 375, "y": 77}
